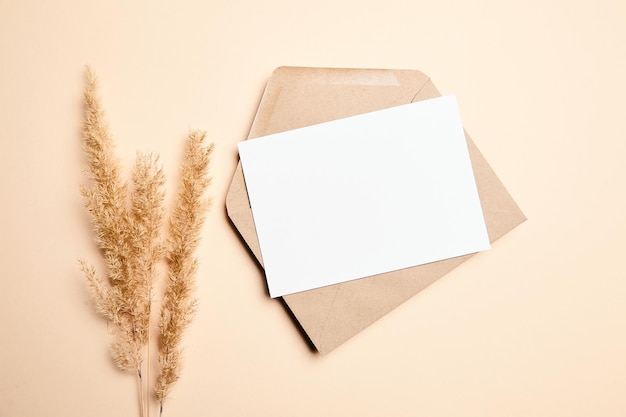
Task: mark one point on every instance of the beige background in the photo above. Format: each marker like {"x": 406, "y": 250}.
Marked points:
{"x": 534, "y": 327}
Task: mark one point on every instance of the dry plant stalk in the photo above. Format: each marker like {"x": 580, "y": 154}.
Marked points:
{"x": 184, "y": 234}
{"x": 127, "y": 223}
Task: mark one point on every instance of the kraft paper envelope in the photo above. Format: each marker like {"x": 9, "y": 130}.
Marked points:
{"x": 297, "y": 97}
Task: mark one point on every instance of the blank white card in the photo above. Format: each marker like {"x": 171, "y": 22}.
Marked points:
{"x": 362, "y": 196}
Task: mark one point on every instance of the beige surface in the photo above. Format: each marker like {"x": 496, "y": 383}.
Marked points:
{"x": 537, "y": 327}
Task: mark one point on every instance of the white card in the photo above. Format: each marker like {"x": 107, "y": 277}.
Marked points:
{"x": 362, "y": 196}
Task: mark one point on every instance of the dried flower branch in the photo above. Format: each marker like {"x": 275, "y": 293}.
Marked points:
{"x": 128, "y": 222}
{"x": 184, "y": 233}
{"x": 128, "y": 236}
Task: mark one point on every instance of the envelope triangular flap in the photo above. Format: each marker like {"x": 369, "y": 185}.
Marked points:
{"x": 297, "y": 97}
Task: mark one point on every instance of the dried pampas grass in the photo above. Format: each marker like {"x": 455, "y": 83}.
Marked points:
{"x": 128, "y": 224}
{"x": 184, "y": 233}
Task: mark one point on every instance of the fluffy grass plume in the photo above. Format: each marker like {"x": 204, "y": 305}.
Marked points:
{"x": 128, "y": 219}
{"x": 184, "y": 233}
{"x": 126, "y": 229}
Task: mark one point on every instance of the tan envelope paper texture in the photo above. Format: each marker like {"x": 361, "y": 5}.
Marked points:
{"x": 297, "y": 97}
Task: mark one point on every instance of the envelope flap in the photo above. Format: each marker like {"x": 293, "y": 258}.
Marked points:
{"x": 298, "y": 97}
